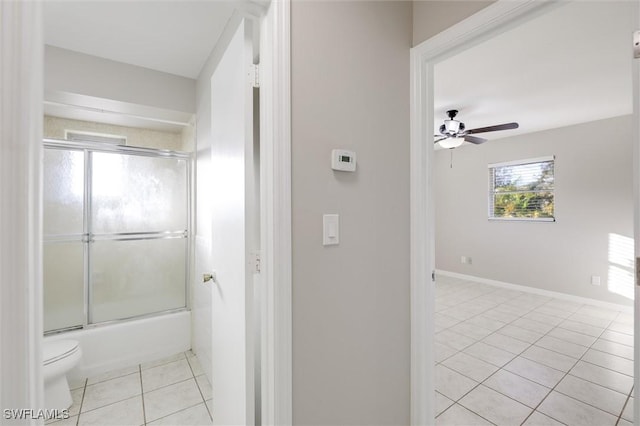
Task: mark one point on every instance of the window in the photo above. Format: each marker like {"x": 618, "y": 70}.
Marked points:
{"x": 522, "y": 190}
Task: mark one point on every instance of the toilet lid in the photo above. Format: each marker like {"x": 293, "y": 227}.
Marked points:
{"x": 58, "y": 349}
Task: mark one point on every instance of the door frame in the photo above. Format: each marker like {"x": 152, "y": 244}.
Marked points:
{"x": 275, "y": 220}
{"x": 485, "y": 24}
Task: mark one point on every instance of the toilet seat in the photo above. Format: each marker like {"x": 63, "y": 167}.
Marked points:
{"x": 60, "y": 349}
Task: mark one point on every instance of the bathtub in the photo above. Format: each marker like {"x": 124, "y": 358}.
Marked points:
{"x": 113, "y": 346}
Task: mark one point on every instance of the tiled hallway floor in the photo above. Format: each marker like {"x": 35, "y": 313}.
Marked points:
{"x": 172, "y": 391}
{"x": 507, "y": 357}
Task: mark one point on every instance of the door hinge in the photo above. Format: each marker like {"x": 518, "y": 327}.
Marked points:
{"x": 254, "y": 75}
{"x": 636, "y": 44}
{"x": 433, "y": 276}
{"x": 256, "y": 263}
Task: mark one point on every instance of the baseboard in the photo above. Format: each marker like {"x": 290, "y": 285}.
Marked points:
{"x": 539, "y": 291}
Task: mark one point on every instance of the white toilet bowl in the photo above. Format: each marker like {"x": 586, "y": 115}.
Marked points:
{"x": 60, "y": 356}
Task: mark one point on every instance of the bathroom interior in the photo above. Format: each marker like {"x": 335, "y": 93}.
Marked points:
{"x": 127, "y": 250}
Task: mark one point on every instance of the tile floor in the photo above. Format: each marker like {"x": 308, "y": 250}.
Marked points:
{"x": 172, "y": 391}
{"x": 506, "y": 357}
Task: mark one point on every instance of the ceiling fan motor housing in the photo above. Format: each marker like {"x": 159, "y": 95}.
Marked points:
{"x": 451, "y": 127}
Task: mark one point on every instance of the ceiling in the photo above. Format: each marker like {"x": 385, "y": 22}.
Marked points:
{"x": 571, "y": 65}
{"x": 175, "y": 37}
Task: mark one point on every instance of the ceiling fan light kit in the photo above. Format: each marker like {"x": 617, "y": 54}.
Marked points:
{"x": 453, "y": 133}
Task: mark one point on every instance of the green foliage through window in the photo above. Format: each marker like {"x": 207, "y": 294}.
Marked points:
{"x": 522, "y": 190}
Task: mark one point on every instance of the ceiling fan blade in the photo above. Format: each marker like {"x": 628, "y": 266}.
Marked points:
{"x": 438, "y": 140}
{"x": 506, "y": 126}
{"x": 474, "y": 139}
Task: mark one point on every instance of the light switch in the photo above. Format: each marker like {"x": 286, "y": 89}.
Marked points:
{"x": 330, "y": 229}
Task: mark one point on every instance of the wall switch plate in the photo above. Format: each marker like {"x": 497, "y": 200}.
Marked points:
{"x": 330, "y": 229}
{"x": 595, "y": 280}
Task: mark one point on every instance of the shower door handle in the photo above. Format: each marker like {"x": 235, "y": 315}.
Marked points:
{"x": 209, "y": 277}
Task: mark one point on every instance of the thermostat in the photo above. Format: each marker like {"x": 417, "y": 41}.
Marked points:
{"x": 343, "y": 160}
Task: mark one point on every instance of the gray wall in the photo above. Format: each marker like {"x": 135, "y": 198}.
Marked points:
{"x": 73, "y": 72}
{"x": 431, "y": 17}
{"x": 350, "y": 89}
{"x": 594, "y": 198}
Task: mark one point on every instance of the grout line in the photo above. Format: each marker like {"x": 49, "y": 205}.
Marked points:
{"x": 84, "y": 391}
{"x": 144, "y": 412}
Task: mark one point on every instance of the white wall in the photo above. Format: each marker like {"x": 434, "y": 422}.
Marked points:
{"x": 77, "y": 73}
{"x": 594, "y": 213}
{"x": 431, "y": 17}
{"x": 351, "y": 326}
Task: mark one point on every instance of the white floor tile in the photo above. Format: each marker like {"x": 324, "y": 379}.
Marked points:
{"x": 445, "y": 321}
{"x": 623, "y": 422}
{"x": 498, "y": 315}
{"x": 454, "y": 340}
{"x": 495, "y": 407}
{"x": 518, "y": 388}
{"x": 457, "y": 415}
{"x": 171, "y": 399}
{"x": 520, "y": 333}
{"x": 113, "y": 374}
{"x": 579, "y": 327}
{"x": 443, "y": 352}
{"x": 535, "y": 372}
{"x": 600, "y": 397}
{"x": 165, "y": 360}
{"x": 572, "y": 336}
{"x": 613, "y": 348}
{"x": 487, "y": 322}
{"x": 452, "y": 384}
{"x": 71, "y": 421}
{"x": 561, "y": 346}
{"x": 76, "y": 396}
{"x": 627, "y": 414}
{"x": 469, "y": 366}
{"x": 193, "y": 416}
{"x": 529, "y": 324}
{"x": 490, "y": 354}
{"x": 209, "y": 404}
{"x": 546, "y": 319}
{"x": 110, "y": 391}
{"x": 127, "y": 412}
{"x": 617, "y": 337}
{"x": 603, "y": 376}
{"x": 506, "y": 343}
{"x": 165, "y": 374}
{"x": 194, "y": 362}
{"x": 468, "y": 329}
{"x": 538, "y": 419}
{"x": 612, "y": 362}
{"x": 590, "y": 320}
{"x": 204, "y": 386}
{"x": 442, "y": 403}
{"x": 573, "y": 412}
{"x": 549, "y": 358}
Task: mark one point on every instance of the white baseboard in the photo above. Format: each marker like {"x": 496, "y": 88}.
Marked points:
{"x": 533, "y": 290}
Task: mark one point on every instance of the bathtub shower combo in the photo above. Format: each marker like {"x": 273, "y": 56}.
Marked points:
{"x": 116, "y": 258}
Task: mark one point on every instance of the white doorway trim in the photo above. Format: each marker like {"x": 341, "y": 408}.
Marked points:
{"x": 275, "y": 158}
{"x": 494, "y": 19}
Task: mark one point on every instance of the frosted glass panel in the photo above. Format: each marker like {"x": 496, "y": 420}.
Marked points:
{"x": 132, "y": 193}
{"x": 63, "y": 285}
{"x": 131, "y": 278}
{"x": 63, "y": 191}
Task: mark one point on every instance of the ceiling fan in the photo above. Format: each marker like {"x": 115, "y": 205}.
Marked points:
{"x": 453, "y": 132}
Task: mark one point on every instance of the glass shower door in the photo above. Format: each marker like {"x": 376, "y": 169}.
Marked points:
{"x": 139, "y": 218}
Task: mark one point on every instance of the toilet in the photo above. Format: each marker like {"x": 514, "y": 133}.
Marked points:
{"x": 59, "y": 356}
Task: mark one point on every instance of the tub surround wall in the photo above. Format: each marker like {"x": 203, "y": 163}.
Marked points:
{"x": 54, "y": 127}
{"x": 113, "y": 346}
